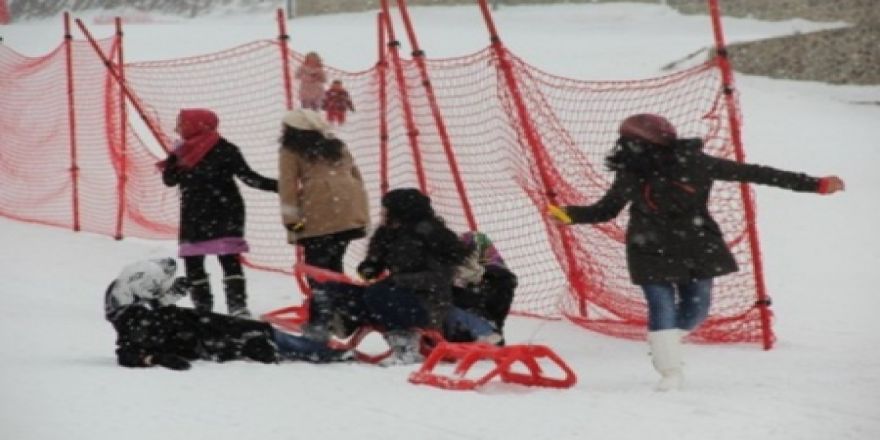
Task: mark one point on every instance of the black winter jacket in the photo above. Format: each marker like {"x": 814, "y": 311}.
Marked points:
{"x": 420, "y": 257}
{"x": 671, "y": 238}
{"x": 211, "y": 205}
{"x": 143, "y": 331}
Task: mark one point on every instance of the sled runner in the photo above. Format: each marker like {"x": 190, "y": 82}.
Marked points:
{"x": 505, "y": 359}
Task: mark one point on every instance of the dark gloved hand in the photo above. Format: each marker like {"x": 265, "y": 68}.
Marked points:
{"x": 295, "y": 227}
{"x": 171, "y": 361}
{"x": 368, "y": 270}
{"x": 559, "y": 213}
{"x": 180, "y": 286}
{"x": 260, "y": 349}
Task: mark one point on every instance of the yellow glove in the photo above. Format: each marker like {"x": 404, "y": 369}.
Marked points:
{"x": 559, "y": 214}
{"x": 295, "y": 227}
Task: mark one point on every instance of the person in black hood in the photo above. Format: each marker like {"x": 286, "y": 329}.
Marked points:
{"x": 419, "y": 254}
{"x": 674, "y": 247}
{"x": 152, "y": 331}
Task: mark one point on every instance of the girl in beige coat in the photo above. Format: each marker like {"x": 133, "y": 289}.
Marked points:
{"x": 323, "y": 199}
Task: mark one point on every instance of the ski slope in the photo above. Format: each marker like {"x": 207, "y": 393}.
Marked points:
{"x": 58, "y": 374}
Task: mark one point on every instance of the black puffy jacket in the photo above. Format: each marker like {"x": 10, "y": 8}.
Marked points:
{"x": 421, "y": 257}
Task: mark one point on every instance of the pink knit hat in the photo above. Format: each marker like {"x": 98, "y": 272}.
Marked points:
{"x": 650, "y": 128}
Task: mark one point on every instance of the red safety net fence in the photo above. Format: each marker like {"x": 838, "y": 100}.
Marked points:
{"x": 516, "y": 148}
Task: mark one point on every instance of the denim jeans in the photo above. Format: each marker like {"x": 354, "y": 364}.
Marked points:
{"x": 295, "y": 347}
{"x": 394, "y": 308}
{"x": 458, "y": 320}
{"x": 685, "y": 312}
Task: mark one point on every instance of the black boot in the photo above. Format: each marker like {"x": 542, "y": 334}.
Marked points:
{"x": 320, "y": 314}
{"x": 236, "y": 296}
{"x": 200, "y": 294}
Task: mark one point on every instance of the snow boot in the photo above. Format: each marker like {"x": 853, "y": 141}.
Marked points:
{"x": 404, "y": 346}
{"x": 666, "y": 356}
{"x": 493, "y": 338}
{"x": 236, "y": 296}
{"x": 320, "y": 316}
{"x": 200, "y": 294}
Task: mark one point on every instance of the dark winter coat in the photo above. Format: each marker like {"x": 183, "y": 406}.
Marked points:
{"x": 420, "y": 257}
{"x": 671, "y": 237}
{"x": 483, "y": 284}
{"x": 211, "y": 205}
{"x": 144, "y": 331}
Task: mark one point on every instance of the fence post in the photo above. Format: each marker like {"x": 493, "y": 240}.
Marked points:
{"x": 412, "y": 130}
{"x": 71, "y": 118}
{"x": 123, "y": 130}
{"x": 283, "y": 38}
{"x": 291, "y": 9}
{"x": 5, "y": 17}
{"x": 151, "y": 125}
{"x": 575, "y": 272}
{"x": 763, "y": 301}
{"x": 419, "y": 57}
{"x": 382, "y": 71}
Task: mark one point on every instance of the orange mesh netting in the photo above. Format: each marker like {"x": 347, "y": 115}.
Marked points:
{"x": 575, "y": 123}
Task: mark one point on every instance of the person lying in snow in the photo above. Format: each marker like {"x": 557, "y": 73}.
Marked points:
{"x": 152, "y": 330}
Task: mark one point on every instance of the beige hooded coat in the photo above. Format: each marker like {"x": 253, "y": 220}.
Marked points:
{"x": 327, "y": 197}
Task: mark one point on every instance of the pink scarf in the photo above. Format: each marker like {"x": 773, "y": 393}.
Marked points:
{"x": 198, "y": 128}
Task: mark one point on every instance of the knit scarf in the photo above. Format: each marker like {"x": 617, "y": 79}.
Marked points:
{"x": 198, "y": 128}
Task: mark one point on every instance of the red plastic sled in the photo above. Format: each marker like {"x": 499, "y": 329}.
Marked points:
{"x": 504, "y": 357}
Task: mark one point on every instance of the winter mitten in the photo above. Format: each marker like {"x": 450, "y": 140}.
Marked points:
{"x": 559, "y": 213}
{"x": 295, "y": 227}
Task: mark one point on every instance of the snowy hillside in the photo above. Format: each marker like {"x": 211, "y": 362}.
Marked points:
{"x": 58, "y": 374}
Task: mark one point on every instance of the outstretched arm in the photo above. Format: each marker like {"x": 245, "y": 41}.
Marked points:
{"x": 608, "y": 207}
{"x": 728, "y": 170}
{"x": 250, "y": 177}
{"x": 170, "y": 172}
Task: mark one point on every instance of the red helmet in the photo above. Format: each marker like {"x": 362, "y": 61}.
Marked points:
{"x": 650, "y": 128}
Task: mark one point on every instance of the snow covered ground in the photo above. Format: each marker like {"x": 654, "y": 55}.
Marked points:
{"x": 57, "y": 369}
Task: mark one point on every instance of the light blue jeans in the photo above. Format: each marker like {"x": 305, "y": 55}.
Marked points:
{"x": 685, "y": 311}
{"x": 296, "y": 347}
{"x": 464, "y": 320}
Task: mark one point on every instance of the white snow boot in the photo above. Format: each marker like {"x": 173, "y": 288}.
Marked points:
{"x": 404, "y": 348}
{"x": 666, "y": 356}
